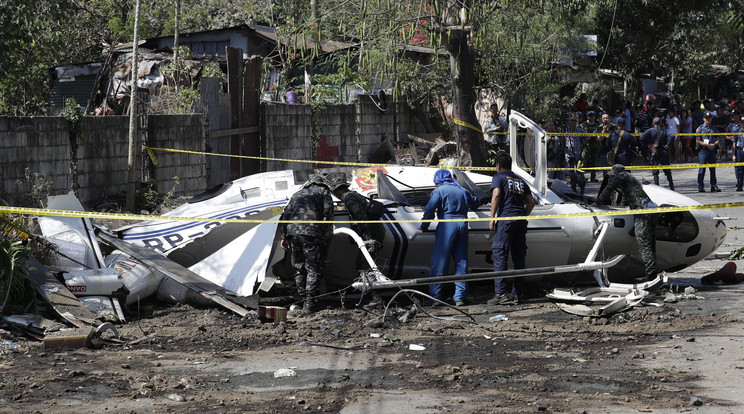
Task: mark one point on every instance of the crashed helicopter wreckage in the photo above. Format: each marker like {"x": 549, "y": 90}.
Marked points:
{"x": 241, "y": 259}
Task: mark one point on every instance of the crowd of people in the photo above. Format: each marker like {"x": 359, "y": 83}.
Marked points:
{"x": 645, "y": 134}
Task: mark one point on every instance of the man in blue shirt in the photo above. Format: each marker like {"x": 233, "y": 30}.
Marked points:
{"x": 511, "y": 197}
{"x": 450, "y": 201}
{"x": 738, "y": 150}
{"x": 707, "y": 153}
{"x": 658, "y": 141}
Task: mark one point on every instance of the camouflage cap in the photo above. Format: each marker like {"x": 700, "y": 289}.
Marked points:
{"x": 616, "y": 169}
{"x": 317, "y": 180}
{"x": 338, "y": 182}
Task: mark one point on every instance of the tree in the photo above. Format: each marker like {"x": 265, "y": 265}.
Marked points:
{"x": 678, "y": 44}
{"x": 35, "y": 35}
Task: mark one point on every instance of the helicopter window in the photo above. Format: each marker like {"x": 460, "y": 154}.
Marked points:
{"x": 281, "y": 185}
{"x": 679, "y": 226}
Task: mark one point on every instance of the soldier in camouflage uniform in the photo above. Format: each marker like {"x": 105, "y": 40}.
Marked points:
{"x": 633, "y": 194}
{"x": 372, "y": 233}
{"x": 307, "y": 242}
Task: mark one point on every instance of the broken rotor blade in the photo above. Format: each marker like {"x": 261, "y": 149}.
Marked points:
{"x": 469, "y": 277}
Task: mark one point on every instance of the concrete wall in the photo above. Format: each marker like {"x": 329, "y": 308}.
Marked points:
{"x": 348, "y": 133}
{"x": 352, "y": 132}
{"x": 42, "y": 144}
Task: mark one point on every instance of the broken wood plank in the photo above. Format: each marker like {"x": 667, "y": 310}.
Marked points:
{"x": 57, "y": 295}
{"x": 236, "y": 131}
{"x": 176, "y": 272}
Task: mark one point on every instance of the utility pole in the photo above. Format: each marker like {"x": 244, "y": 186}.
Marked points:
{"x": 131, "y": 160}
{"x": 175, "y": 46}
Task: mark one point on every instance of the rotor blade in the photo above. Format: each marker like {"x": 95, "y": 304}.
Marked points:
{"x": 469, "y": 277}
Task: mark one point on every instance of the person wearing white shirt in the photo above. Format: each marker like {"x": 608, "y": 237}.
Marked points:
{"x": 673, "y": 128}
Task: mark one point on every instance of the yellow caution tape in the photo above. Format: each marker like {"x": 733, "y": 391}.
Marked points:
{"x": 655, "y": 167}
{"x": 705, "y": 133}
{"x": 277, "y": 211}
{"x": 467, "y": 125}
{"x": 216, "y": 154}
{"x": 468, "y": 168}
{"x": 152, "y": 156}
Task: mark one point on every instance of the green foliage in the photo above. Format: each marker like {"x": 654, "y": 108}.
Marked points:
{"x": 71, "y": 112}
{"x": 212, "y": 70}
{"x": 13, "y": 227}
{"x": 15, "y": 287}
{"x": 35, "y": 35}
{"x": 148, "y": 198}
{"x": 170, "y": 100}
{"x": 491, "y": 156}
{"x": 737, "y": 254}
{"x": 36, "y": 186}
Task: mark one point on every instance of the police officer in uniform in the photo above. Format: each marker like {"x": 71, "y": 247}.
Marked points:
{"x": 306, "y": 242}
{"x": 739, "y": 151}
{"x": 510, "y": 197}
{"x": 707, "y": 152}
{"x": 658, "y": 142}
{"x": 449, "y": 201}
{"x": 633, "y": 194}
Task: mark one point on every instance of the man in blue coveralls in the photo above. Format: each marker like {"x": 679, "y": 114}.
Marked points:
{"x": 511, "y": 197}
{"x": 450, "y": 201}
{"x": 707, "y": 153}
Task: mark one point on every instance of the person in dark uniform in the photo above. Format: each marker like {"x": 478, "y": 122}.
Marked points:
{"x": 306, "y": 242}
{"x": 450, "y": 201}
{"x": 510, "y": 197}
{"x": 372, "y": 233}
{"x": 633, "y": 194}
{"x": 658, "y": 142}
{"x": 739, "y": 152}
{"x": 707, "y": 152}
{"x": 590, "y": 145}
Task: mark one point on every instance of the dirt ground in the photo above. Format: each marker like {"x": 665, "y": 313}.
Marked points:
{"x": 540, "y": 359}
{"x": 675, "y": 357}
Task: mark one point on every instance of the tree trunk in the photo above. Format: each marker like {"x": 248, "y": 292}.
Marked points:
{"x": 469, "y": 140}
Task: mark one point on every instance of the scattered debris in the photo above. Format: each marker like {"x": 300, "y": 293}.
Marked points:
{"x": 176, "y": 398}
{"x": 670, "y": 297}
{"x": 416, "y": 347}
{"x": 696, "y": 401}
{"x": 605, "y": 301}
{"x": 58, "y": 297}
{"x": 176, "y": 272}
{"x": 274, "y": 314}
{"x": 284, "y": 372}
{"x": 498, "y": 318}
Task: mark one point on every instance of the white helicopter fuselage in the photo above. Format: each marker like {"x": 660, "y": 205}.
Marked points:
{"x": 238, "y": 256}
{"x": 407, "y": 251}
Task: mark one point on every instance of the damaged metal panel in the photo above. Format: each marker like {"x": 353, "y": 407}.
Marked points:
{"x": 176, "y": 272}
{"x": 77, "y": 231}
{"x": 58, "y": 297}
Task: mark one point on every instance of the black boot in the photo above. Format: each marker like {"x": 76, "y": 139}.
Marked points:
{"x": 311, "y": 305}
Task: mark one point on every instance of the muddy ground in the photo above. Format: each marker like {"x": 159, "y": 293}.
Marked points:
{"x": 676, "y": 357}
{"x": 541, "y": 359}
